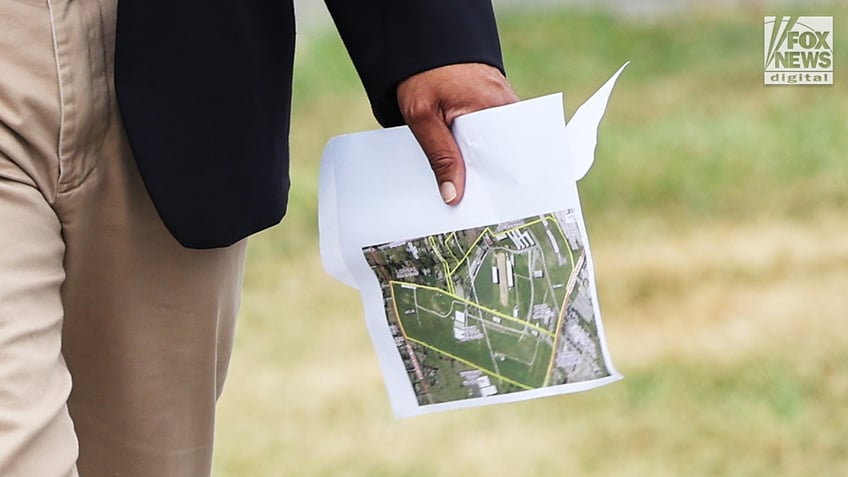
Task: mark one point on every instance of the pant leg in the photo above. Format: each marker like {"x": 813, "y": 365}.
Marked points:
{"x": 36, "y": 433}
{"x": 148, "y": 325}
{"x": 148, "y": 332}
{"x": 148, "y": 329}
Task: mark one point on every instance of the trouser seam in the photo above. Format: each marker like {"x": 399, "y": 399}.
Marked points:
{"x": 60, "y": 80}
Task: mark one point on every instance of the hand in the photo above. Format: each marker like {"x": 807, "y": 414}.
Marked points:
{"x": 430, "y": 101}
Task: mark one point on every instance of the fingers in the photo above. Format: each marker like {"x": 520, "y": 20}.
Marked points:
{"x": 431, "y": 100}
{"x": 432, "y": 131}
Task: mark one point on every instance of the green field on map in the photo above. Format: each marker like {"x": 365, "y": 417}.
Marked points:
{"x": 491, "y": 310}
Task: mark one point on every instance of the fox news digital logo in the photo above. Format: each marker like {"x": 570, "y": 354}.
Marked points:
{"x": 798, "y": 50}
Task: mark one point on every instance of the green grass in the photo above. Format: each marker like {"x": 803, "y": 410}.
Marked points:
{"x": 487, "y": 292}
{"x": 716, "y": 211}
{"x": 691, "y": 132}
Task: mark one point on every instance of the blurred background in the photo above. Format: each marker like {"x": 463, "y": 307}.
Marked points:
{"x": 717, "y": 213}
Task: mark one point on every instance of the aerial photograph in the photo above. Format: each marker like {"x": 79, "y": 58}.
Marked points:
{"x": 491, "y": 310}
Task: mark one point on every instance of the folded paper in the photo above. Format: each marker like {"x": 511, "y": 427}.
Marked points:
{"x": 493, "y": 300}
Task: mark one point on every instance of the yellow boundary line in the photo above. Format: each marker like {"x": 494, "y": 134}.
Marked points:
{"x": 572, "y": 276}
{"x": 448, "y": 238}
{"x": 406, "y": 338}
{"x": 469, "y": 363}
{"x": 476, "y": 305}
{"x": 448, "y": 275}
{"x": 489, "y": 230}
{"x": 435, "y": 248}
{"x": 397, "y": 315}
{"x": 517, "y": 227}
{"x": 552, "y": 218}
{"x": 473, "y": 244}
{"x": 451, "y": 251}
{"x": 448, "y": 272}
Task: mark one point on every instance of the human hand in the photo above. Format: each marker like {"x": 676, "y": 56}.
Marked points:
{"x": 431, "y": 100}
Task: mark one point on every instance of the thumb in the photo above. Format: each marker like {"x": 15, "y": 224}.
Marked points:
{"x": 435, "y": 137}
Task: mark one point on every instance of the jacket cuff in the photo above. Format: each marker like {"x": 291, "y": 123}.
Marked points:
{"x": 391, "y": 40}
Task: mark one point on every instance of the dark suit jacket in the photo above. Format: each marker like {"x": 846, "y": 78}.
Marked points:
{"x": 204, "y": 89}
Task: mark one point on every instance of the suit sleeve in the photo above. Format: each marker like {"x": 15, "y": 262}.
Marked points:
{"x": 391, "y": 40}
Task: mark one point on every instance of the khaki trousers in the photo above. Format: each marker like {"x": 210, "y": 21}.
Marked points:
{"x": 114, "y": 340}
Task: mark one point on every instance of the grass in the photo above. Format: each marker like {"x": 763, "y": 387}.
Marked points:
{"x": 716, "y": 211}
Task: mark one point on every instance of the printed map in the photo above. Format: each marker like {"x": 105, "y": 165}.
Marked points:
{"x": 491, "y": 310}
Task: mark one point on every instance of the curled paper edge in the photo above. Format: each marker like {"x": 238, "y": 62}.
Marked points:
{"x": 329, "y": 242}
{"x": 581, "y": 139}
{"x": 582, "y": 130}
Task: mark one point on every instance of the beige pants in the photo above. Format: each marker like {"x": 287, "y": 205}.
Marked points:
{"x": 114, "y": 340}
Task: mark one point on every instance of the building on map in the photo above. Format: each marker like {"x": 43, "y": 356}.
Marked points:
{"x": 572, "y": 233}
{"x": 406, "y": 272}
{"x": 503, "y": 280}
{"x": 520, "y": 239}
{"x": 486, "y": 387}
{"x": 543, "y": 312}
{"x": 582, "y": 304}
{"x": 495, "y": 275}
{"x": 462, "y": 331}
{"x": 460, "y": 323}
{"x": 412, "y": 249}
{"x": 459, "y": 317}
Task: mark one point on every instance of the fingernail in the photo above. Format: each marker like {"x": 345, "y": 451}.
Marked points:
{"x": 448, "y": 191}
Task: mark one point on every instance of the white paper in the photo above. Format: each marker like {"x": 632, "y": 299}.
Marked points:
{"x": 489, "y": 301}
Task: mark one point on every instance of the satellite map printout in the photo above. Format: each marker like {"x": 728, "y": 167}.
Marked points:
{"x": 491, "y": 310}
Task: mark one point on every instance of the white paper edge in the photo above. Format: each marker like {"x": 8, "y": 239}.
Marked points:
{"x": 521, "y": 396}
{"x": 329, "y": 242}
{"x": 582, "y": 130}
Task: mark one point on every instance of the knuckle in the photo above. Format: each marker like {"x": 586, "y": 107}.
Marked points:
{"x": 442, "y": 162}
{"x": 417, "y": 111}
